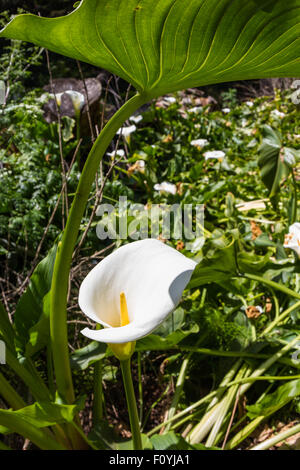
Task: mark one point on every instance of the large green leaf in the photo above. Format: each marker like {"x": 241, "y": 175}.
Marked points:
{"x": 165, "y": 45}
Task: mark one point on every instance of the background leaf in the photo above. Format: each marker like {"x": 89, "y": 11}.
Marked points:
{"x": 31, "y": 318}
{"x": 272, "y": 163}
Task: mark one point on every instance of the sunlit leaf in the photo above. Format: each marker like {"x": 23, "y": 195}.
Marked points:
{"x": 166, "y": 45}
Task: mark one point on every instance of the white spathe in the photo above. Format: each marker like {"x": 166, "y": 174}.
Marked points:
{"x": 118, "y": 153}
{"x": 77, "y": 98}
{"x": 166, "y": 187}
{"x": 199, "y": 143}
{"x": 126, "y": 131}
{"x": 151, "y": 274}
{"x": 136, "y": 119}
{"x": 292, "y": 239}
{"x": 219, "y": 154}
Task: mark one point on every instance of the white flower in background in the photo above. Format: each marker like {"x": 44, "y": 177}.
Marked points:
{"x": 133, "y": 290}
{"x": 278, "y": 114}
{"x": 218, "y": 154}
{"x": 292, "y": 239}
{"x": 226, "y": 110}
{"x": 170, "y": 99}
{"x": 118, "y": 153}
{"x": 126, "y": 131}
{"x": 195, "y": 110}
{"x": 200, "y": 143}
{"x": 249, "y": 103}
{"x": 136, "y": 119}
{"x": 139, "y": 166}
{"x": 57, "y": 97}
{"x": 166, "y": 187}
{"x": 77, "y": 99}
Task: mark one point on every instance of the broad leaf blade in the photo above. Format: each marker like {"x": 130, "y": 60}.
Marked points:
{"x": 31, "y": 318}
{"x": 167, "y": 45}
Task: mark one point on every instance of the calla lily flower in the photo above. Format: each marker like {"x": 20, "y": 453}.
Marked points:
{"x": 126, "y": 131}
{"x": 76, "y": 98}
{"x": 199, "y": 143}
{"x": 166, "y": 187}
{"x": 118, "y": 153}
{"x": 133, "y": 290}
{"x": 292, "y": 239}
{"x": 136, "y": 119}
{"x": 218, "y": 154}
{"x": 170, "y": 99}
{"x": 195, "y": 109}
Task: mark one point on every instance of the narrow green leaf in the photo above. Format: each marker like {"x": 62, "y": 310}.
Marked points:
{"x": 172, "y": 441}
{"x": 274, "y": 168}
{"x": 43, "y": 414}
{"x": 31, "y": 318}
{"x": 7, "y": 333}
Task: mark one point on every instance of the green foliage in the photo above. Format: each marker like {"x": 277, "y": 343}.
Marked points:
{"x": 276, "y": 400}
{"x": 155, "y": 46}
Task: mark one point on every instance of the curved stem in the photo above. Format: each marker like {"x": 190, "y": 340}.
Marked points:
{"x": 60, "y": 281}
{"x": 131, "y": 404}
{"x": 276, "y": 439}
{"x": 272, "y": 284}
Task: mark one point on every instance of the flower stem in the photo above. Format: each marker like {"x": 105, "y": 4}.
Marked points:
{"x": 276, "y": 439}
{"x": 131, "y": 404}
{"x": 98, "y": 394}
{"x": 60, "y": 280}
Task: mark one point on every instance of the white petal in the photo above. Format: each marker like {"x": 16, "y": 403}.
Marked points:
{"x": 151, "y": 274}
{"x": 214, "y": 154}
{"x": 199, "y": 142}
{"x": 126, "y": 131}
{"x": 166, "y": 187}
{"x": 136, "y": 119}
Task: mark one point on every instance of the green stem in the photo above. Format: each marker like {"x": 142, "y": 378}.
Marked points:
{"x": 276, "y": 439}
{"x": 140, "y": 387}
{"x": 60, "y": 280}
{"x": 131, "y": 404}
{"x": 280, "y": 318}
{"x": 178, "y": 390}
{"x": 274, "y": 285}
{"x": 98, "y": 394}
